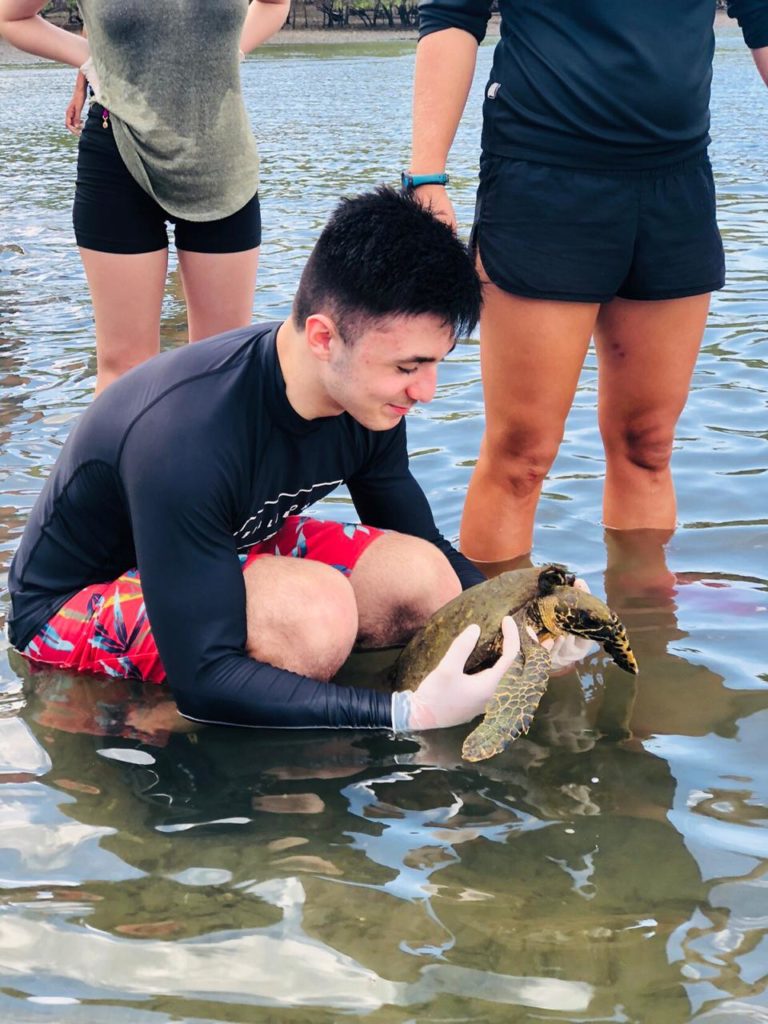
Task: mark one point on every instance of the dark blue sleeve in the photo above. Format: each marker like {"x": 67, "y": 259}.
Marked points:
{"x": 192, "y": 581}
{"x": 240, "y": 691}
{"x": 386, "y": 495}
{"x": 752, "y": 16}
{"x": 470, "y": 15}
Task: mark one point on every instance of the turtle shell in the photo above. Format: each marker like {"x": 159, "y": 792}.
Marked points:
{"x": 485, "y": 604}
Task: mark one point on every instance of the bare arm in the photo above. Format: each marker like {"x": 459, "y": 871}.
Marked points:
{"x": 264, "y": 18}
{"x": 22, "y": 26}
{"x": 445, "y": 64}
{"x": 74, "y": 113}
{"x": 760, "y": 57}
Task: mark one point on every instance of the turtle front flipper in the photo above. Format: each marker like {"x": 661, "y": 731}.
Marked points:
{"x": 510, "y": 711}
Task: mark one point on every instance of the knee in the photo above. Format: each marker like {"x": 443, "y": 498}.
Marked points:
{"x": 328, "y": 625}
{"x": 301, "y": 616}
{"x": 113, "y": 364}
{"x": 520, "y": 458}
{"x": 399, "y": 582}
{"x": 433, "y": 581}
{"x": 647, "y": 446}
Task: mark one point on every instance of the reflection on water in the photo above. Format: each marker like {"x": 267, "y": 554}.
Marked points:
{"x": 612, "y": 865}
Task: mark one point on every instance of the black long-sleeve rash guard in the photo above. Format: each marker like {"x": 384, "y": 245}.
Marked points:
{"x": 182, "y": 464}
{"x": 598, "y": 83}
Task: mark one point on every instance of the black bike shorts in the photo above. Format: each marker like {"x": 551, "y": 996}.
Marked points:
{"x": 113, "y": 213}
{"x": 549, "y": 232}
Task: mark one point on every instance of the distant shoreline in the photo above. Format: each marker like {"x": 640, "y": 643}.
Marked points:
{"x": 329, "y": 36}
{"x": 307, "y": 36}
{"x": 325, "y": 36}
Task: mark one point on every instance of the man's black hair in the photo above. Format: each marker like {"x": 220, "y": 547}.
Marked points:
{"x": 383, "y": 254}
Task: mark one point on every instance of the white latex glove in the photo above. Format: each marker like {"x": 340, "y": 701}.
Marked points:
{"x": 93, "y": 79}
{"x": 566, "y": 650}
{"x": 448, "y": 695}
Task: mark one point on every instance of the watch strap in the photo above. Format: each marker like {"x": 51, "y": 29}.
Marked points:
{"x": 410, "y": 181}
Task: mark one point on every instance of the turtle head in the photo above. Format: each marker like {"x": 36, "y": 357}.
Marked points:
{"x": 569, "y": 610}
{"x": 554, "y": 575}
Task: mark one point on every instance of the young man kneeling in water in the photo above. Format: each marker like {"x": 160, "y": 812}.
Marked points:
{"x": 150, "y": 551}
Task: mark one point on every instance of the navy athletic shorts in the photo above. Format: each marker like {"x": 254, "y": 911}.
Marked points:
{"x": 548, "y": 232}
{"x": 113, "y": 213}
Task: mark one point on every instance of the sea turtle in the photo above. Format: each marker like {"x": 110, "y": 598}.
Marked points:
{"x": 543, "y": 598}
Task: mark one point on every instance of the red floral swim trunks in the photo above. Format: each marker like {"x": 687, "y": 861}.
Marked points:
{"x": 104, "y": 628}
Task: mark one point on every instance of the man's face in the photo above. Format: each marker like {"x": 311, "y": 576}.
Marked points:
{"x": 386, "y": 370}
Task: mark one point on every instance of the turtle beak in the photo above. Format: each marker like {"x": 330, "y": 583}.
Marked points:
{"x": 616, "y": 643}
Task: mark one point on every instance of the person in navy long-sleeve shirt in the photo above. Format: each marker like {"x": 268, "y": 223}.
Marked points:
{"x": 151, "y": 551}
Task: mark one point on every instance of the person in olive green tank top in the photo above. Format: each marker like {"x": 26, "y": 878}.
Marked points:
{"x": 167, "y": 139}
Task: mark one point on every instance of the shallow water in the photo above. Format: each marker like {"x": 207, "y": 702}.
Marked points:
{"x": 611, "y": 866}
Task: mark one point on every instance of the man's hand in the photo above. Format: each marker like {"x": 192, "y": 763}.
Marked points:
{"x": 448, "y": 695}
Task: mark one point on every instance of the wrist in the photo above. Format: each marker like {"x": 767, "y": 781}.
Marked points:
{"x": 410, "y": 181}
{"x": 401, "y": 711}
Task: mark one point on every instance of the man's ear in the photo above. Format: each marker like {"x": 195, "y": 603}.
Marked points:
{"x": 320, "y": 332}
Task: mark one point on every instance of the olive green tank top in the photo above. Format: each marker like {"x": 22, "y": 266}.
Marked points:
{"x": 169, "y": 74}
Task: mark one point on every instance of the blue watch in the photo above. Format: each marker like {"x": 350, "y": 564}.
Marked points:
{"x": 411, "y": 181}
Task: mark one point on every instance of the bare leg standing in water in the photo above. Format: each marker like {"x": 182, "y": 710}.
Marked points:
{"x": 532, "y": 353}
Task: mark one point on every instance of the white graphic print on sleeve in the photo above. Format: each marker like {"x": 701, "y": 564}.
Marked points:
{"x": 268, "y": 519}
